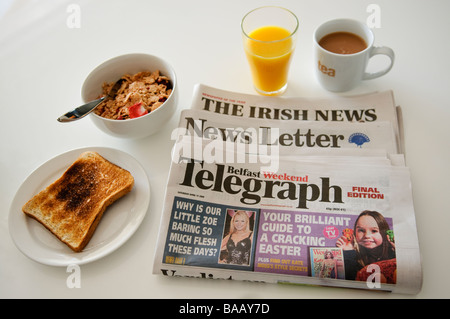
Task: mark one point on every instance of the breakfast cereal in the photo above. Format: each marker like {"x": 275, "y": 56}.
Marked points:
{"x": 140, "y": 94}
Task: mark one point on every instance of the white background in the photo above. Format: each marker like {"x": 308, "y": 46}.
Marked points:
{"x": 43, "y": 63}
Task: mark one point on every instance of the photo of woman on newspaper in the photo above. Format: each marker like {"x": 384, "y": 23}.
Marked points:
{"x": 237, "y": 244}
{"x": 328, "y": 269}
{"x": 370, "y": 243}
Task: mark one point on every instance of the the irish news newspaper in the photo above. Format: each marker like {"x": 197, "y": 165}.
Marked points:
{"x": 290, "y": 190}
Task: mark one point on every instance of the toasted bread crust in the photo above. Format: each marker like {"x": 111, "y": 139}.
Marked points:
{"x": 73, "y": 205}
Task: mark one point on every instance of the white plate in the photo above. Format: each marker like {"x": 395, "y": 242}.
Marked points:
{"x": 118, "y": 224}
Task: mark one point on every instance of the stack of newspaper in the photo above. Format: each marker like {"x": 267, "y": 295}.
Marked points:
{"x": 290, "y": 190}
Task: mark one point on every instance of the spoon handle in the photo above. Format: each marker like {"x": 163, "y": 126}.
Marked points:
{"x": 85, "y": 109}
{"x": 80, "y": 111}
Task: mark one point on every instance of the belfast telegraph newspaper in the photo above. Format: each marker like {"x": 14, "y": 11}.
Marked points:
{"x": 290, "y": 190}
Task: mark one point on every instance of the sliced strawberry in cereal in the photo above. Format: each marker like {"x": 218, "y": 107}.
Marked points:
{"x": 137, "y": 110}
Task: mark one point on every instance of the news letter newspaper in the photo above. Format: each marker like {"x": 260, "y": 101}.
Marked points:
{"x": 337, "y": 217}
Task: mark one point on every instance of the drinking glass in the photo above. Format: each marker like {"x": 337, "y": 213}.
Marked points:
{"x": 269, "y": 34}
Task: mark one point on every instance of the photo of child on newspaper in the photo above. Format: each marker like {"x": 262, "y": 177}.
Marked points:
{"x": 237, "y": 243}
{"x": 371, "y": 243}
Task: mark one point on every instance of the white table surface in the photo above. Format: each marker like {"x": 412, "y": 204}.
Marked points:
{"x": 43, "y": 63}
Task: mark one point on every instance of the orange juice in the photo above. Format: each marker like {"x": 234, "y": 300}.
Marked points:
{"x": 269, "y": 49}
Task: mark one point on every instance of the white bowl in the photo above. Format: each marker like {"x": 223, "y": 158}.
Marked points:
{"x": 111, "y": 71}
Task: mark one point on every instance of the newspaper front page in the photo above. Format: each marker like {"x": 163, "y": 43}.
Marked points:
{"x": 338, "y": 217}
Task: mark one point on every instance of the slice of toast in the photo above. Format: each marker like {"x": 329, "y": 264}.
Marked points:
{"x": 72, "y": 206}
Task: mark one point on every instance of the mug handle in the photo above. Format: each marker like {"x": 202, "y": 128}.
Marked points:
{"x": 380, "y": 50}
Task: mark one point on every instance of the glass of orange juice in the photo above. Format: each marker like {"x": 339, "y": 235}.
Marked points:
{"x": 269, "y": 34}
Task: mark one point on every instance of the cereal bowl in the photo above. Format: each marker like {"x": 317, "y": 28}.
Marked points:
{"x": 111, "y": 71}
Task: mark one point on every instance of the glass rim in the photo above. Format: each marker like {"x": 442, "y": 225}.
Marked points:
{"x": 292, "y": 33}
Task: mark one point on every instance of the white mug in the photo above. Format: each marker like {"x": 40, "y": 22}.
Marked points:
{"x": 342, "y": 72}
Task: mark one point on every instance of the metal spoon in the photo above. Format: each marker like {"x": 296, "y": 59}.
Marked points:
{"x": 87, "y": 108}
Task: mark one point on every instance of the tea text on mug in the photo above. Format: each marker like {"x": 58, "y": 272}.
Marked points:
{"x": 325, "y": 70}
